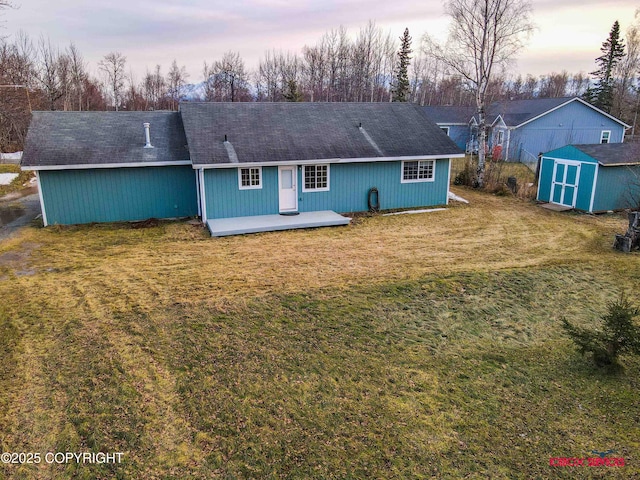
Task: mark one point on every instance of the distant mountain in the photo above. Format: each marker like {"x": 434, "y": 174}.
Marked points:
{"x": 193, "y": 92}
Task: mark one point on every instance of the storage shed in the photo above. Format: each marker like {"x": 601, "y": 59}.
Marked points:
{"x": 591, "y": 178}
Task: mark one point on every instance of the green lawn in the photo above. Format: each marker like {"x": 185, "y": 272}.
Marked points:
{"x": 416, "y": 346}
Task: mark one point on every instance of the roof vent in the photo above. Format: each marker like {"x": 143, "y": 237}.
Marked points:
{"x": 147, "y": 135}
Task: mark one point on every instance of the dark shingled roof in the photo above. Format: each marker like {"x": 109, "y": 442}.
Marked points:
{"x": 450, "y": 115}
{"x": 516, "y": 112}
{"x": 612, "y": 154}
{"x": 95, "y": 138}
{"x": 513, "y": 112}
{"x": 287, "y": 132}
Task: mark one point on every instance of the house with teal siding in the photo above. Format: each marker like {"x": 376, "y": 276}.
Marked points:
{"x": 519, "y": 130}
{"x": 110, "y": 166}
{"x": 591, "y": 178}
{"x": 238, "y": 162}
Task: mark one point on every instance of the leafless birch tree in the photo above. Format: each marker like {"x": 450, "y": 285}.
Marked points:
{"x": 113, "y": 65}
{"x": 484, "y": 35}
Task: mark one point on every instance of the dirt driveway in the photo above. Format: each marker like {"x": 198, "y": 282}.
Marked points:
{"x": 17, "y": 210}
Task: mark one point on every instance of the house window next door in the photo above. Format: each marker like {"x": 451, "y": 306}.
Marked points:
{"x": 564, "y": 188}
{"x": 288, "y": 189}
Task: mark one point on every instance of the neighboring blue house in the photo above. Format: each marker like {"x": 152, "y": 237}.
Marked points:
{"x": 519, "y": 130}
{"x": 237, "y": 160}
{"x": 591, "y": 178}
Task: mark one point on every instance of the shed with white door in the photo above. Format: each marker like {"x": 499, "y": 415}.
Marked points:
{"x": 591, "y": 178}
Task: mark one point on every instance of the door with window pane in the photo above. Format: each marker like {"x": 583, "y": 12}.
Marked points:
{"x": 288, "y": 188}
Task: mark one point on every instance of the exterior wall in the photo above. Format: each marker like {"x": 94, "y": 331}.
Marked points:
{"x": 349, "y": 185}
{"x": 574, "y": 123}
{"x": 224, "y": 199}
{"x": 617, "y": 188}
{"x": 118, "y": 194}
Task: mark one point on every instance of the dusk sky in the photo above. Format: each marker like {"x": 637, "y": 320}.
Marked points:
{"x": 568, "y": 36}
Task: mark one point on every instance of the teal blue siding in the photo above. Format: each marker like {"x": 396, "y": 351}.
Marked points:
{"x": 545, "y": 180}
{"x": 585, "y": 186}
{"x": 570, "y": 152}
{"x": 618, "y": 188}
{"x": 574, "y": 123}
{"x": 224, "y": 199}
{"x": 118, "y": 194}
{"x": 349, "y": 185}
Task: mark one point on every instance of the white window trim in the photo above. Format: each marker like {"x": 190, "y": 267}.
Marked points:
{"x": 250, "y": 187}
{"x": 608, "y": 132}
{"x": 324, "y": 189}
{"x": 418, "y": 180}
{"x": 445, "y": 130}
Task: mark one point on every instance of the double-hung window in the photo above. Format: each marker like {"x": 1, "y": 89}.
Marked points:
{"x": 250, "y": 178}
{"x": 418, "y": 171}
{"x": 316, "y": 178}
{"x": 604, "y": 136}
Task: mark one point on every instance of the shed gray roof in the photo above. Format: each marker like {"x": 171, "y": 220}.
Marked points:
{"x": 612, "y": 154}
{"x": 103, "y": 138}
{"x": 287, "y": 132}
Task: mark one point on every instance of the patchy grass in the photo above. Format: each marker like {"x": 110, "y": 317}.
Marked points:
{"x": 18, "y": 183}
{"x": 417, "y": 346}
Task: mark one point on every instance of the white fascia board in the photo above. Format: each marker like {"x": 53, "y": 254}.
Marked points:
{"x": 578, "y": 99}
{"x": 42, "y": 205}
{"x": 502, "y": 123}
{"x": 453, "y": 124}
{"x": 106, "y": 165}
{"x": 331, "y": 161}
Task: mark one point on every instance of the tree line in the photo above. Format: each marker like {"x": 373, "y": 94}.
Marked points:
{"x": 372, "y": 66}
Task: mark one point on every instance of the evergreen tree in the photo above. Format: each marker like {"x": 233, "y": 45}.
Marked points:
{"x": 601, "y": 95}
{"x": 401, "y": 89}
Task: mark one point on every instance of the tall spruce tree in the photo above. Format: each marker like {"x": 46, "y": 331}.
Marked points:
{"x": 601, "y": 95}
{"x": 401, "y": 88}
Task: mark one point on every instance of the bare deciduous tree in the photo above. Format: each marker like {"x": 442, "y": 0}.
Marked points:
{"x": 113, "y": 65}
{"x": 484, "y": 35}
{"x": 176, "y": 79}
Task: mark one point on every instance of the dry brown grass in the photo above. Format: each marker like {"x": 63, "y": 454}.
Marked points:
{"x": 181, "y": 263}
{"x": 106, "y": 317}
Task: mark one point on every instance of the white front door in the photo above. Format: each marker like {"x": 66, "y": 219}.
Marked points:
{"x": 288, "y": 187}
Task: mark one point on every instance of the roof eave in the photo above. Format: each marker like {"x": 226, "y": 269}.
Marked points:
{"x": 328, "y": 160}
{"x": 88, "y": 166}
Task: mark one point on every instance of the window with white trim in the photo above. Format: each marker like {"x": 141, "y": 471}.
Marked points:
{"x": 418, "y": 171}
{"x": 316, "y": 178}
{"x": 445, "y": 130}
{"x": 604, "y": 136}
{"x": 249, "y": 178}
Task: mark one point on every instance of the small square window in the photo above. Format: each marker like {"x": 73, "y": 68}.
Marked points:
{"x": 250, "y": 178}
{"x": 316, "y": 178}
{"x": 418, "y": 171}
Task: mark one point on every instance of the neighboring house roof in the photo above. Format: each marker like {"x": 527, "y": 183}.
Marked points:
{"x": 288, "y": 132}
{"x": 102, "y": 139}
{"x": 514, "y": 113}
{"x": 613, "y": 154}
{"x": 449, "y": 115}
